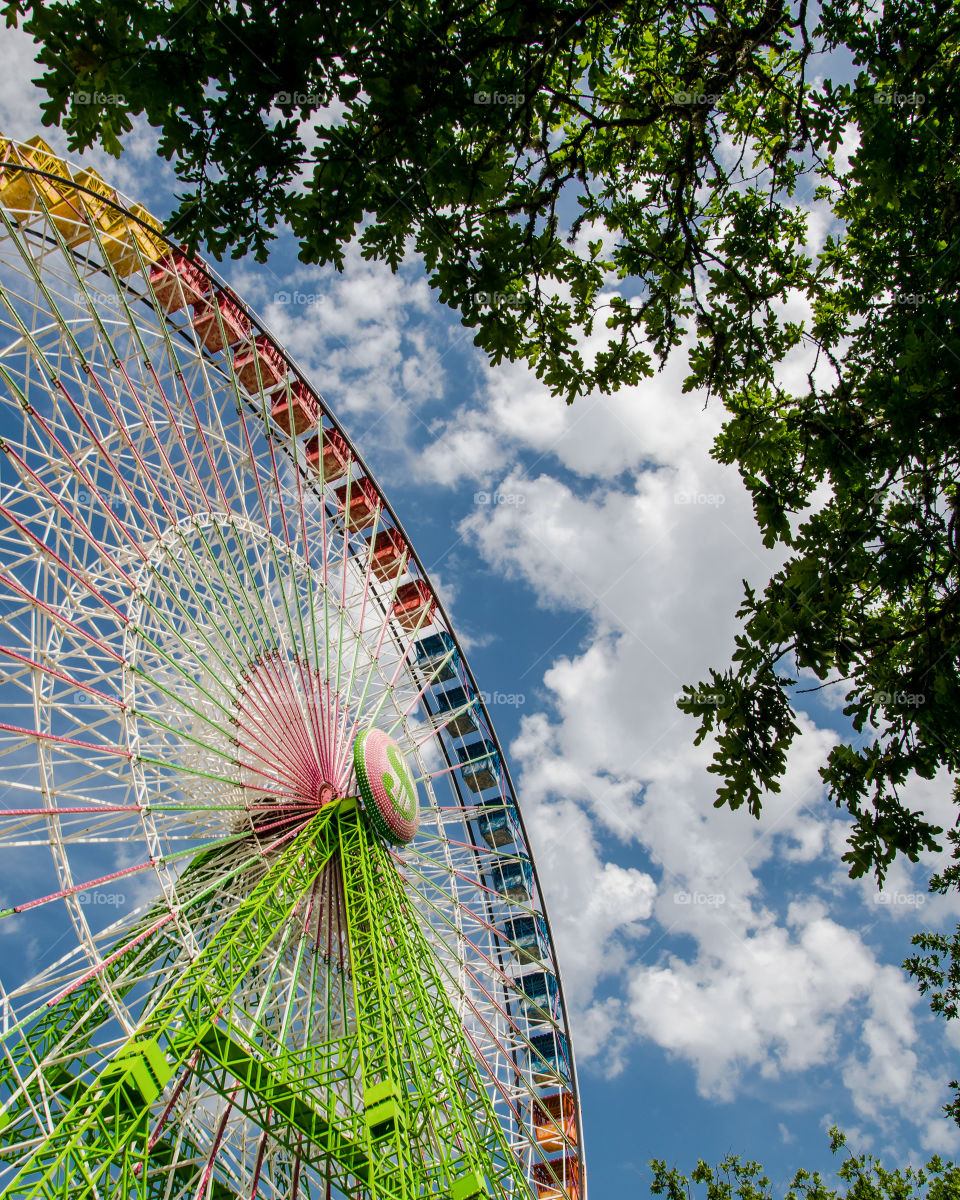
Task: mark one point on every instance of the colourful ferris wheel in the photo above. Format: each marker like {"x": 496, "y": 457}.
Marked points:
{"x": 283, "y": 933}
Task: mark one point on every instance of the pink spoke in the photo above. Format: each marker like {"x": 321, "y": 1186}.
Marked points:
{"x": 175, "y": 425}
{"x": 64, "y": 678}
{"x": 70, "y": 515}
{"x": 110, "y": 959}
{"x": 255, "y": 1186}
{"x": 341, "y": 730}
{"x": 104, "y": 454}
{"x": 58, "y": 618}
{"x": 376, "y": 656}
{"x": 206, "y": 448}
{"x": 154, "y": 433}
{"x": 145, "y": 472}
{"x": 71, "y": 571}
{"x": 315, "y": 708}
{"x": 60, "y": 739}
{"x": 211, "y": 1158}
{"x": 174, "y": 1097}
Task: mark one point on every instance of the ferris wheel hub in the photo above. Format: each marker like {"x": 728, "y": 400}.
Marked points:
{"x": 386, "y": 786}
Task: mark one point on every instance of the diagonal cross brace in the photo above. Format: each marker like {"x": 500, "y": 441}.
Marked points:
{"x": 103, "y": 1136}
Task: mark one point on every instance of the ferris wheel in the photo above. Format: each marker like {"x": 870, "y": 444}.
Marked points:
{"x": 282, "y": 931}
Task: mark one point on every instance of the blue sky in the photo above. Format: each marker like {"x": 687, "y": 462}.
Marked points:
{"x": 732, "y": 990}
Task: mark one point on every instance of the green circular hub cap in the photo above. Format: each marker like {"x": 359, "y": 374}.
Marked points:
{"x": 386, "y": 786}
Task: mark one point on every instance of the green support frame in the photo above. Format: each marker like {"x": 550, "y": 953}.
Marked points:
{"x": 392, "y": 1108}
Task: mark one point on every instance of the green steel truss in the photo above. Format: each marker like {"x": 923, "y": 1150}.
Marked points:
{"x": 389, "y": 1105}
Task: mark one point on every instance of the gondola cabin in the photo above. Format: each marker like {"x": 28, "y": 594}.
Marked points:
{"x": 219, "y": 322}
{"x": 329, "y": 455}
{"x": 295, "y": 409}
{"x": 414, "y": 604}
{"x": 259, "y": 367}
{"x": 498, "y": 824}
{"x": 389, "y": 555}
{"x": 358, "y": 501}
{"x": 480, "y": 765}
{"x": 539, "y": 993}
{"x": 434, "y": 650}
{"x": 549, "y": 1057}
{"x": 177, "y": 282}
{"x": 558, "y": 1179}
{"x": 20, "y": 191}
{"x": 131, "y": 241}
{"x": 555, "y": 1121}
{"x": 77, "y": 208}
{"x": 456, "y": 700}
{"x": 512, "y": 878}
{"x": 528, "y": 936}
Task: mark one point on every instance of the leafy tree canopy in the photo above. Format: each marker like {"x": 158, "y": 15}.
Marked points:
{"x": 863, "y": 1176}
{"x": 633, "y": 172}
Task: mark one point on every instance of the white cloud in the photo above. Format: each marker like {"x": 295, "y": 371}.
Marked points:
{"x": 715, "y": 968}
{"x": 597, "y": 908}
{"x": 771, "y": 1001}
{"x": 19, "y": 97}
{"x": 598, "y": 436}
{"x": 363, "y": 342}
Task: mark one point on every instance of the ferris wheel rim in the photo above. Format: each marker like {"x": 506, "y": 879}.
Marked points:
{"x": 259, "y": 328}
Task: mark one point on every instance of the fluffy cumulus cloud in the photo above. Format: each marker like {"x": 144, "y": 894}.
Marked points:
{"x": 592, "y": 902}
{"x": 362, "y": 339}
{"x": 613, "y": 509}
{"x": 776, "y": 997}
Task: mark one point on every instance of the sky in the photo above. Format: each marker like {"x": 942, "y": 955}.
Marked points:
{"x": 731, "y": 990}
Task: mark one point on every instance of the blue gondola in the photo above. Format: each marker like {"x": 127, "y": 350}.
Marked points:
{"x": 538, "y": 990}
{"x": 481, "y": 765}
{"x": 498, "y": 823}
{"x": 456, "y": 698}
{"x": 433, "y": 650}
{"x": 549, "y": 1057}
{"x": 513, "y": 878}
{"x": 529, "y": 937}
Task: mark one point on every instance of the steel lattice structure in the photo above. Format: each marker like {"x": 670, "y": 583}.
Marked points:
{"x": 234, "y": 711}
